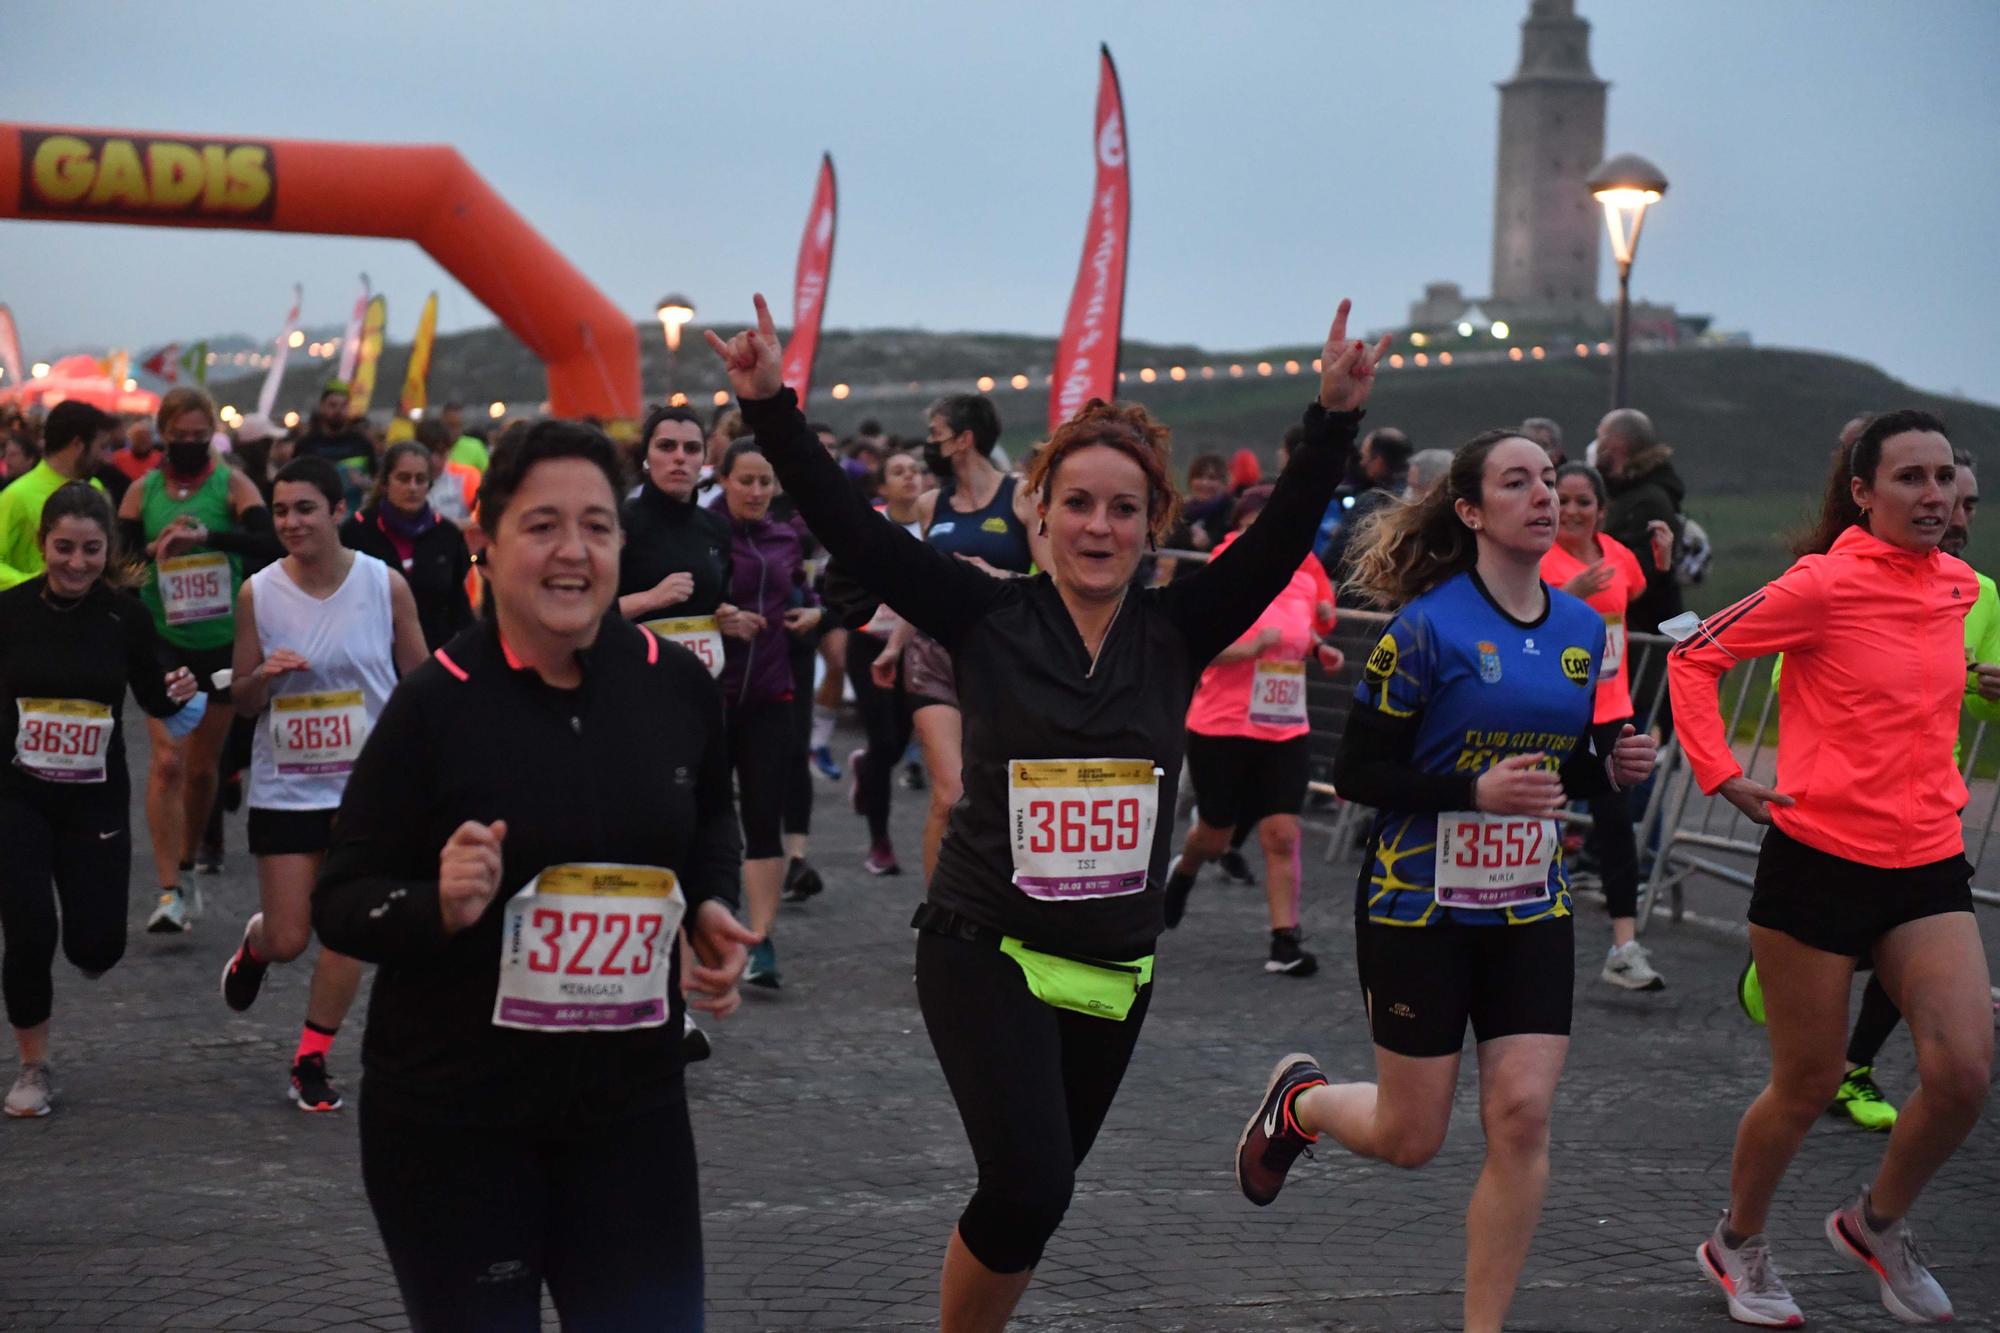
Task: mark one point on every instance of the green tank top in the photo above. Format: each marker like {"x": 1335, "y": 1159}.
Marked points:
{"x": 192, "y": 585}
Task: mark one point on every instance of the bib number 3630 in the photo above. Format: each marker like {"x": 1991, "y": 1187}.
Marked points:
{"x": 1494, "y": 861}
{"x": 63, "y": 740}
{"x": 1081, "y": 828}
{"x": 588, "y": 948}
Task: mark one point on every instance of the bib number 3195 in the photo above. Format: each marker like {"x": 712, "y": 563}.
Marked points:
{"x": 1081, "y": 828}
{"x": 588, "y": 948}
{"x": 1494, "y": 861}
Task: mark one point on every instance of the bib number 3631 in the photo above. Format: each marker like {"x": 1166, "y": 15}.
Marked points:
{"x": 588, "y": 948}
{"x": 62, "y": 740}
{"x": 1494, "y": 861}
{"x": 314, "y": 734}
{"x": 1081, "y": 828}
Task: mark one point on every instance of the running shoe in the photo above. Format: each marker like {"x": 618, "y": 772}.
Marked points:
{"x": 243, "y": 975}
{"x": 1862, "y": 1102}
{"x": 882, "y": 860}
{"x": 32, "y": 1094}
{"x": 1179, "y": 886}
{"x": 854, "y": 800}
{"x": 801, "y": 881}
{"x": 694, "y": 1042}
{"x": 1750, "y": 993}
{"x": 210, "y": 860}
{"x": 1909, "y": 1292}
{"x": 311, "y": 1088}
{"x": 763, "y": 966}
{"x": 1749, "y": 1281}
{"x": 1272, "y": 1140}
{"x": 1235, "y": 869}
{"x": 175, "y": 913}
{"x": 822, "y": 762}
{"x": 1287, "y": 957}
{"x": 913, "y": 777}
{"x": 1630, "y": 966}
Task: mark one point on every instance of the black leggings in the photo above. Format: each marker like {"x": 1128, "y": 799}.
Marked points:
{"x": 76, "y": 841}
{"x": 1032, "y": 1085}
{"x": 1879, "y": 1016}
{"x": 475, "y": 1220}
{"x": 886, "y": 715}
{"x": 761, "y": 749}
{"x": 1611, "y": 835}
{"x": 798, "y": 811}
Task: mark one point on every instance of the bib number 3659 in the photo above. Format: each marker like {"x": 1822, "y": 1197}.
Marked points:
{"x": 1081, "y": 828}
{"x": 1494, "y": 861}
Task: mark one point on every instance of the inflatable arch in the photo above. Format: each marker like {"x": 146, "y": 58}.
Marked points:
{"x": 422, "y": 193}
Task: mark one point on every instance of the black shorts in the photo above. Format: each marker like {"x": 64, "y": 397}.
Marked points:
{"x": 1240, "y": 779}
{"x": 1424, "y": 982}
{"x": 1840, "y": 906}
{"x": 289, "y": 832}
{"x": 205, "y": 662}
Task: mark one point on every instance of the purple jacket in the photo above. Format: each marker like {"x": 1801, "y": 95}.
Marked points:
{"x": 767, "y": 575}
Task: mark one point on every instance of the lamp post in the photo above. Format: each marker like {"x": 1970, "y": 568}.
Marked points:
{"x": 1625, "y": 185}
{"x": 674, "y": 311}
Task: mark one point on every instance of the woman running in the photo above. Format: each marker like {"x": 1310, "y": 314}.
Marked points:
{"x": 674, "y": 571}
{"x": 1470, "y": 731}
{"x": 402, "y": 528}
{"x": 70, "y": 645}
{"x": 876, "y": 674}
{"x": 320, "y": 638}
{"x": 536, "y": 812}
{"x": 1864, "y": 853}
{"x": 1035, "y": 947}
{"x": 768, "y": 585}
{"x": 1589, "y": 563}
{"x": 1247, "y": 744}
{"x": 195, "y": 518}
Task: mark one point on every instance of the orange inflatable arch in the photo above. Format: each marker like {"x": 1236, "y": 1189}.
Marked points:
{"x": 422, "y": 193}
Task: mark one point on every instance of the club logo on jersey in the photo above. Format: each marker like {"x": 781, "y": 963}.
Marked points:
{"x": 1382, "y": 661}
{"x": 1489, "y": 663}
{"x": 998, "y": 525}
{"x": 1576, "y": 665}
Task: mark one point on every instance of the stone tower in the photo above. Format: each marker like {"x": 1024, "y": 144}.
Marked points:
{"x": 1546, "y": 227}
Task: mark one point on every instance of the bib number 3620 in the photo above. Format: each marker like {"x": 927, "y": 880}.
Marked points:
{"x": 1494, "y": 861}
{"x": 1081, "y": 828}
{"x": 588, "y": 948}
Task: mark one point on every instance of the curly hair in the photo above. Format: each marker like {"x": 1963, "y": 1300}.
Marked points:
{"x": 1132, "y": 431}
{"x": 1407, "y": 547}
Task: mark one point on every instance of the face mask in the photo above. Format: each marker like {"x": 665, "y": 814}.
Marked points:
{"x": 188, "y": 459}
{"x": 934, "y": 459}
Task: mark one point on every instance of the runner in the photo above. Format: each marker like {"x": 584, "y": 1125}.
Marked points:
{"x": 1864, "y": 853}
{"x": 402, "y": 528}
{"x": 768, "y": 584}
{"x": 554, "y": 778}
{"x": 877, "y": 677}
{"x": 1471, "y": 729}
{"x": 1588, "y": 563}
{"x": 74, "y": 439}
{"x": 70, "y": 644}
{"x": 674, "y": 571}
{"x": 1074, "y": 687}
{"x": 454, "y": 485}
{"x": 320, "y": 639}
{"x": 197, "y": 519}
{"x": 1247, "y": 745}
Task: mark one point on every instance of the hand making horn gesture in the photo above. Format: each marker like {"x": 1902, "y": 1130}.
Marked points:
{"x": 753, "y": 358}
{"x": 1347, "y": 369}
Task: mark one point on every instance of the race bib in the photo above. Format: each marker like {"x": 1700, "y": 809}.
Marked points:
{"x": 1494, "y": 860}
{"x": 315, "y": 734}
{"x": 1614, "y": 646}
{"x": 588, "y": 948}
{"x": 63, "y": 740}
{"x": 1082, "y": 828}
{"x": 195, "y": 587}
{"x": 697, "y": 634}
{"x": 1278, "y": 693}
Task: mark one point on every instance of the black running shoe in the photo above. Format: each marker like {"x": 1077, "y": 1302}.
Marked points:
{"x": 913, "y": 777}
{"x": 311, "y": 1088}
{"x": 1287, "y": 957}
{"x": 1235, "y": 869}
{"x": 243, "y": 976}
{"x": 231, "y": 794}
{"x": 1271, "y": 1142}
{"x": 1179, "y": 886}
{"x": 801, "y": 881}
{"x": 209, "y": 862}
{"x": 694, "y": 1042}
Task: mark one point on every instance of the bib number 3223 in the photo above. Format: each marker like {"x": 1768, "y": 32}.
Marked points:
{"x": 588, "y": 948}
{"x": 1494, "y": 861}
{"x": 1081, "y": 828}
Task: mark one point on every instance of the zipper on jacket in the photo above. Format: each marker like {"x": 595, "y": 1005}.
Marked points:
{"x": 750, "y": 654}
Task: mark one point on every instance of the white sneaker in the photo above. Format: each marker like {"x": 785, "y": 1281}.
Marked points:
{"x": 31, "y": 1094}
{"x": 1630, "y": 966}
{"x": 175, "y": 914}
{"x": 1749, "y": 1281}
{"x": 1891, "y": 1256}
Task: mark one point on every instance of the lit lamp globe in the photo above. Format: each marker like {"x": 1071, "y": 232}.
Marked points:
{"x": 674, "y": 312}
{"x": 1626, "y": 185}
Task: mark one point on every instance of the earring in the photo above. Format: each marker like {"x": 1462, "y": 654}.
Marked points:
{"x": 1043, "y": 530}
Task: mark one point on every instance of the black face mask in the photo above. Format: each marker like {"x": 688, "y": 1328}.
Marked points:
{"x": 188, "y": 459}
{"x": 934, "y": 459}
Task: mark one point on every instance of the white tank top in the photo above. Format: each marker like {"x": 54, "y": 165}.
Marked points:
{"x": 308, "y": 736}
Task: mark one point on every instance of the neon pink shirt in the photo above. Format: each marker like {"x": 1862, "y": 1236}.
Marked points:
{"x": 1614, "y": 687}
{"x": 1222, "y": 699}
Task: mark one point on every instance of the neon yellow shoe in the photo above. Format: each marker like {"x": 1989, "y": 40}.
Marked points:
{"x": 1862, "y": 1101}
{"x": 1750, "y": 993}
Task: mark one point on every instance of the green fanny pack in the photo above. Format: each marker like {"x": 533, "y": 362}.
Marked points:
{"x": 1100, "y": 989}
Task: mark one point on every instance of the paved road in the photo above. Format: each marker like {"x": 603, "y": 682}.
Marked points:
{"x": 176, "y": 1187}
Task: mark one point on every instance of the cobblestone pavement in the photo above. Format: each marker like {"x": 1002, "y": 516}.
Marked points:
{"x": 176, "y": 1187}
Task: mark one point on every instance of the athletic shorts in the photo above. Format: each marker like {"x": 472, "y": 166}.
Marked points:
{"x": 205, "y": 662}
{"x": 928, "y": 677}
{"x": 1830, "y": 903}
{"x": 289, "y": 832}
{"x": 1240, "y": 779}
{"x": 1424, "y": 982}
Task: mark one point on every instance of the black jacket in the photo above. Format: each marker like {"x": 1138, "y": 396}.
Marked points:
{"x": 1646, "y": 490}
{"x": 667, "y": 536}
{"x": 436, "y": 572}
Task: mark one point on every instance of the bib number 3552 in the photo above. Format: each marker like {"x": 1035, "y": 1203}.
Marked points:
{"x": 1081, "y": 828}
{"x": 588, "y": 948}
{"x": 1494, "y": 861}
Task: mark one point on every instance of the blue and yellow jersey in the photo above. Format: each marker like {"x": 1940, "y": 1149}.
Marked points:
{"x": 1481, "y": 687}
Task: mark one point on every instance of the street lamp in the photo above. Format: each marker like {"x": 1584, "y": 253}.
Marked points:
{"x": 1625, "y": 185}
{"x": 674, "y": 311}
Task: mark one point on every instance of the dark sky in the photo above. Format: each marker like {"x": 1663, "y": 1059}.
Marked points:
{"x": 1832, "y": 161}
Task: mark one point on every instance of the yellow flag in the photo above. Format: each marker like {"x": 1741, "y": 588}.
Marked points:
{"x": 363, "y": 387}
{"x": 420, "y": 361}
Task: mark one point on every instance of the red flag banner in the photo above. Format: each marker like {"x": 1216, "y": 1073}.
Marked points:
{"x": 10, "y": 349}
{"x": 161, "y": 364}
{"x": 1087, "y": 357}
{"x": 809, "y": 282}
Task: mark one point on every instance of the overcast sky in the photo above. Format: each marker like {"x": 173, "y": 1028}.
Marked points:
{"x": 1832, "y": 161}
